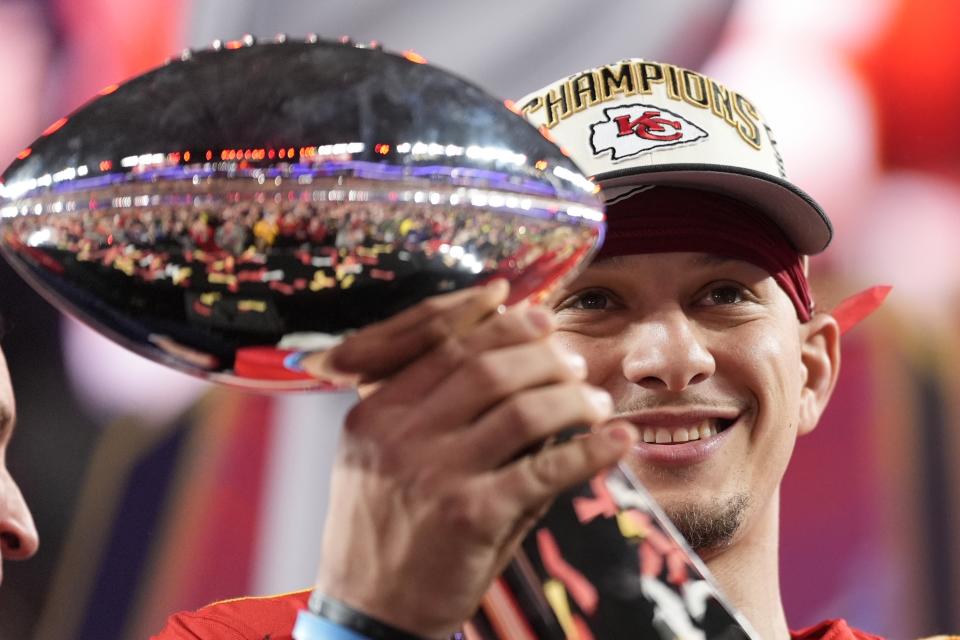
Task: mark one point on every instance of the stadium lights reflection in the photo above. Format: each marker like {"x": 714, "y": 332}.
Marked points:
{"x": 340, "y": 149}
{"x": 67, "y": 174}
{"x": 474, "y": 152}
{"x": 466, "y": 259}
{"x": 308, "y": 155}
{"x": 413, "y": 56}
{"x": 574, "y": 178}
{"x": 56, "y": 126}
{"x": 495, "y": 154}
{"x": 143, "y": 160}
{"x": 16, "y": 189}
{"x": 585, "y": 212}
{"x": 38, "y": 238}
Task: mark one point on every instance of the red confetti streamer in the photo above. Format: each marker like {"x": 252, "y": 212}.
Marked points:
{"x": 651, "y": 562}
{"x": 582, "y": 629}
{"x": 582, "y": 591}
{"x": 853, "y": 310}
{"x": 602, "y": 505}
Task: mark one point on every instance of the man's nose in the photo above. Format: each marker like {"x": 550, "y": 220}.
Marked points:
{"x": 18, "y": 534}
{"x": 666, "y": 353}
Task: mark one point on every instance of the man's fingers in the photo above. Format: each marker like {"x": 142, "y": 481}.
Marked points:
{"x": 518, "y": 325}
{"x": 527, "y": 419}
{"x": 536, "y": 478}
{"x": 380, "y": 349}
{"x": 490, "y": 377}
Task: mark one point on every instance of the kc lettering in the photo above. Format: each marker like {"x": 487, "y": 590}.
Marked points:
{"x": 629, "y": 130}
{"x": 649, "y": 126}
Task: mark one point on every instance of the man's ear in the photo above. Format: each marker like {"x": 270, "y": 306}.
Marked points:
{"x": 820, "y": 360}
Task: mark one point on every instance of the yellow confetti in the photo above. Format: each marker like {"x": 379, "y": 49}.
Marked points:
{"x": 321, "y": 281}
{"x": 222, "y": 278}
{"x": 209, "y": 299}
{"x": 630, "y": 527}
{"x": 556, "y": 595}
{"x": 182, "y": 274}
{"x": 252, "y": 305}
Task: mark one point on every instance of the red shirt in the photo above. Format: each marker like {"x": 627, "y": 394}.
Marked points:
{"x": 272, "y": 618}
{"x": 267, "y": 618}
{"x": 832, "y": 630}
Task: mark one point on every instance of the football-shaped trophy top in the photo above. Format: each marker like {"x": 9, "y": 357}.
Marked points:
{"x": 255, "y": 200}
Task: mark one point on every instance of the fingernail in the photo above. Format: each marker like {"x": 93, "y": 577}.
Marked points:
{"x": 601, "y": 400}
{"x": 294, "y": 361}
{"x": 577, "y": 363}
{"x": 620, "y": 435}
{"x": 321, "y": 365}
{"x": 540, "y": 318}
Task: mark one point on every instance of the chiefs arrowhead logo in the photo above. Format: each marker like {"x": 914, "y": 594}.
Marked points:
{"x": 635, "y": 128}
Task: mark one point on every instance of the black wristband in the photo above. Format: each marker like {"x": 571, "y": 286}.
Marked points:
{"x": 348, "y": 617}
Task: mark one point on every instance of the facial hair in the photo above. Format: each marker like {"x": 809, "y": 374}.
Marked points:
{"x": 709, "y": 527}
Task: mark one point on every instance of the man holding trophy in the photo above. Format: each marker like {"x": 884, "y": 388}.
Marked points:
{"x": 689, "y": 351}
{"x": 696, "y": 319}
{"x": 691, "y": 346}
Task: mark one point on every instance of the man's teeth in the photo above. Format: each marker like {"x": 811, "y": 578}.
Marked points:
{"x": 661, "y": 435}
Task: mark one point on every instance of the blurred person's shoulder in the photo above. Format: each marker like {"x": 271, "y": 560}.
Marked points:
{"x": 256, "y": 618}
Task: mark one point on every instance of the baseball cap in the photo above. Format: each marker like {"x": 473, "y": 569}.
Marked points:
{"x": 637, "y": 123}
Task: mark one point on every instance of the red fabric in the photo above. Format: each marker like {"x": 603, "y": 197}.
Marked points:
{"x": 269, "y": 618}
{"x": 266, "y": 363}
{"x": 273, "y": 617}
{"x": 666, "y": 219}
{"x": 832, "y": 630}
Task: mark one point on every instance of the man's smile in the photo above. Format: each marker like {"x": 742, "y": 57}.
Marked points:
{"x": 681, "y": 437}
{"x": 678, "y": 435}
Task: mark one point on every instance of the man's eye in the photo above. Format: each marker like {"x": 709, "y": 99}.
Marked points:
{"x": 724, "y": 295}
{"x": 592, "y": 300}
{"x": 587, "y": 301}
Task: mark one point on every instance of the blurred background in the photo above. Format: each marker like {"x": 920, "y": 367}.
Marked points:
{"x": 154, "y": 492}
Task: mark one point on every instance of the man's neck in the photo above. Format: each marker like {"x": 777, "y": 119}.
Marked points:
{"x": 749, "y": 576}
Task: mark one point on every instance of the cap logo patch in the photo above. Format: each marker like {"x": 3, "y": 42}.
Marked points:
{"x": 632, "y": 129}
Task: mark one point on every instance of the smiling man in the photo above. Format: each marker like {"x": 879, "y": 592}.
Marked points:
{"x": 697, "y": 320}
{"x": 691, "y": 345}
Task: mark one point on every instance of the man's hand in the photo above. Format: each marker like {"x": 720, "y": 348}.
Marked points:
{"x": 440, "y": 473}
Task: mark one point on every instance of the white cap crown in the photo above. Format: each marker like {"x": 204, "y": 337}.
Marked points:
{"x": 637, "y": 122}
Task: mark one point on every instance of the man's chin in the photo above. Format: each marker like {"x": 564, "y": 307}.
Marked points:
{"x": 709, "y": 527}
